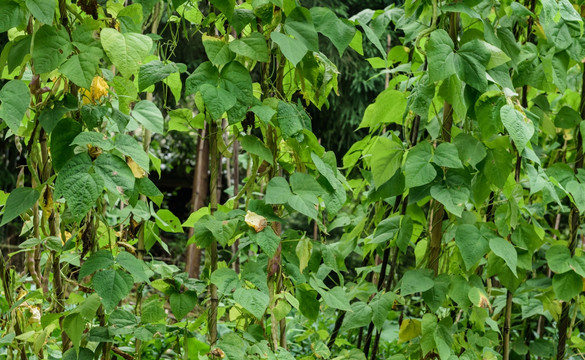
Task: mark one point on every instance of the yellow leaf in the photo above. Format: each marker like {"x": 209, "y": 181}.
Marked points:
{"x": 256, "y": 221}
{"x": 409, "y": 329}
{"x": 138, "y": 172}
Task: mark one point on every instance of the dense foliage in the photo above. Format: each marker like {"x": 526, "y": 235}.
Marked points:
{"x": 450, "y": 230}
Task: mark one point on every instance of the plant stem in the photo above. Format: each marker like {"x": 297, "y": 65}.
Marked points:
{"x": 213, "y": 164}
{"x": 507, "y": 321}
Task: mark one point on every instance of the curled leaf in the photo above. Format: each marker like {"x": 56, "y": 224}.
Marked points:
{"x": 256, "y": 221}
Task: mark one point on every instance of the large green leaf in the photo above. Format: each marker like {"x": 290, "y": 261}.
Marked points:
{"x": 415, "y": 281}
{"x": 41, "y": 9}
{"x": 417, "y": 169}
{"x": 381, "y": 305}
{"x": 440, "y": 55}
{"x": 74, "y": 327}
{"x": 147, "y": 114}
{"x": 558, "y": 258}
{"x": 267, "y": 240}
{"x": 116, "y": 174}
{"x": 472, "y": 244}
{"x": 14, "y": 100}
{"x": 227, "y": 280}
{"x": 447, "y": 155}
{"x": 300, "y": 25}
{"x": 126, "y": 51}
{"x": 386, "y": 159}
{"x": 154, "y": 72}
{"x": 253, "y": 46}
{"x": 129, "y": 146}
{"x": 133, "y": 265}
{"x": 83, "y": 354}
{"x": 253, "y": 301}
{"x": 93, "y": 138}
{"x": 112, "y": 286}
{"x": 338, "y": 31}
{"x": 388, "y": 108}
{"x": 236, "y": 79}
{"x": 506, "y": 251}
{"x": 567, "y": 285}
{"x": 289, "y": 119}
{"x": 472, "y": 59}
{"x": 99, "y": 260}
{"x": 11, "y": 15}
{"x": 577, "y": 191}
{"x": 217, "y": 50}
{"x": 217, "y": 100}
{"x": 277, "y": 191}
{"x": 225, "y": 6}
{"x": 254, "y": 146}
{"x": 293, "y": 49}
{"x": 452, "y": 196}
{"x": 498, "y": 165}
{"x": 304, "y": 204}
{"x": 79, "y": 188}
{"x": 205, "y": 73}
{"x": 359, "y": 316}
{"x": 336, "y": 298}
{"x": 61, "y": 142}
{"x": 182, "y": 303}
{"x": 519, "y": 126}
{"x": 471, "y": 150}
{"x": 51, "y": 47}
{"x": 20, "y": 200}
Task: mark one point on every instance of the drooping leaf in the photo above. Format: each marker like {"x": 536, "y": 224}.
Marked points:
{"x": 567, "y": 285}
{"x": 253, "y": 46}
{"x": 147, "y": 114}
{"x": 338, "y": 31}
{"x": 415, "y": 281}
{"x": 472, "y": 245}
{"x": 386, "y": 159}
{"x": 277, "y": 191}
{"x": 14, "y": 100}
{"x": 51, "y": 48}
{"x": 360, "y": 315}
{"x": 253, "y": 301}
{"x": 117, "y": 176}
{"x": 506, "y": 251}
{"x": 133, "y": 265}
{"x": 99, "y": 260}
{"x": 519, "y": 126}
{"x": 388, "y": 108}
{"x": 112, "y": 286}
{"x": 20, "y": 200}
{"x": 182, "y": 303}
{"x": 217, "y": 100}
{"x": 61, "y": 139}
{"x": 558, "y": 258}
{"x": 293, "y": 49}
{"x": 417, "y": 169}
{"x": 153, "y": 72}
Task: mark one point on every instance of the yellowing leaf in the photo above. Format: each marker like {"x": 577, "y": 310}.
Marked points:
{"x": 136, "y": 169}
{"x": 256, "y": 221}
{"x": 409, "y": 329}
{"x": 99, "y": 88}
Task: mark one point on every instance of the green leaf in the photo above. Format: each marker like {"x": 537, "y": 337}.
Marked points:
{"x": 99, "y": 260}
{"x": 236, "y": 79}
{"x": 381, "y": 305}
{"x": 225, "y": 6}
{"x": 117, "y": 176}
{"x": 217, "y": 100}
{"x": 452, "y": 196}
{"x": 498, "y": 165}
{"x": 440, "y": 56}
{"x": 133, "y": 265}
{"x": 83, "y": 354}
{"x": 340, "y": 32}
{"x": 89, "y": 307}
{"x": 415, "y": 281}
{"x": 567, "y": 285}
{"x": 226, "y": 280}
{"x": 567, "y": 118}
{"x": 147, "y": 114}
{"x": 386, "y": 159}
{"x": 519, "y": 126}
{"x": 253, "y": 47}
{"x": 233, "y": 346}
{"x": 81, "y": 68}
{"x": 168, "y": 222}
{"x": 267, "y": 240}
{"x": 305, "y": 184}
{"x": 497, "y": 56}
{"x": 304, "y": 204}
{"x": 154, "y": 72}
{"x": 300, "y": 25}
{"x": 308, "y": 304}
{"x": 505, "y": 251}
{"x": 77, "y": 186}
{"x": 254, "y": 301}
{"x": 336, "y": 298}
{"x": 388, "y": 108}
{"x": 289, "y": 119}
{"x": 217, "y": 50}
{"x": 472, "y": 244}
{"x": 577, "y": 191}
{"x": 112, "y": 286}
{"x": 371, "y": 35}
{"x": 277, "y": 191}
{"x": 405, "y": 233}
{"x": 435, "y": 296}
{"x": 360, "y": 315}
{"x": 182, "y": 303}
{"x": 62, "y": 137}
{"x": 558, "y": 258}
{"x": 20, "y": 200}
{"x": 51, "y": 47}
{"x": 153, "y": 310}
{"x": 417, "y": 169}
{"x": 74, "y": 326}
{"x": 471, "y": 150}
{"x": 93, "y": 138}
{"x": 11, "y": 15}
{"x": 14, "y": 100}
{"x": 41, "y": 9}
{"x": 447, "y": 155}
{"x": 205, "y": 73}
{"x": 293, "y": 49}
{"x": 473, "y": 57}
{"x": 254, "y": 146}
{"x": 129, "y": 146}
{"x": 126, "y": 51}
